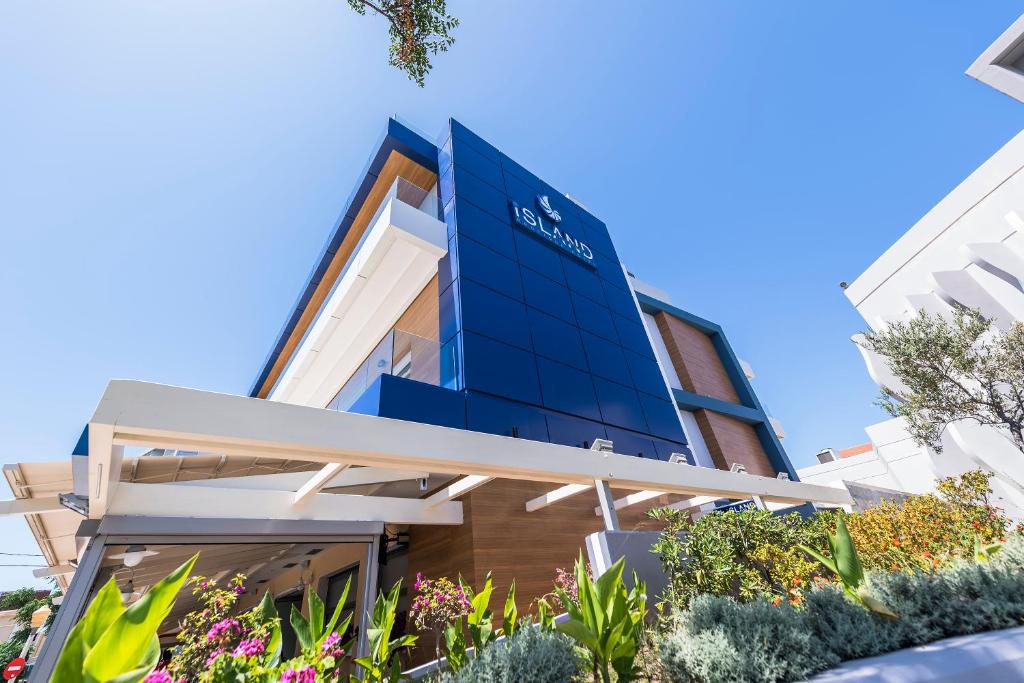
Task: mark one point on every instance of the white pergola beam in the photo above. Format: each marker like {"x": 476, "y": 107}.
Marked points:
{"x": 318, "y": 481}
{"x": 293, "y": 481}
{"x": 30, "y": 506}
{"x": 167, "y": 500}
{"x": 57, "y": 570}
{"x": 632, "y": 499}
{"x": 559, "y": 494}
{"x": 696, "y": 501}
{"x": 104, "y": 466}
{"x": 155, "y": 415}
{"x": 456, "y": 489}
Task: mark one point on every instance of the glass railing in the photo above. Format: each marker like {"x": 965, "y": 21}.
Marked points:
{"x": 401, "y": 354}
{"x": 407, "y": 193}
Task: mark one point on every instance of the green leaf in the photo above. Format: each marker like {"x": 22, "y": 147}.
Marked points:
{"x": 150, "y": 662}
{"x": 829, "y": 564}
{"x": 316, "y": 615}
{"x": 877, "y": 606}
{"x": 845, "y": 555}
{"x": 268, "y": 614}
{"x": 105, "y": 608}
{"x": 455, "y": 644}
{"x": 125, "y": 644}
{"x": 580, "y": 633}
{"x": 301, "y": 628}
{"x": 510, "y": 614}
{"x": 69, "y": 665}
{"x": 337, "y": 613}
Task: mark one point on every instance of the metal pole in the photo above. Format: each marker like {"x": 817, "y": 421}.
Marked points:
{"x": 71, "y": 610}
{"x": 607, "y": 503}
{"x": 370, "y": 568}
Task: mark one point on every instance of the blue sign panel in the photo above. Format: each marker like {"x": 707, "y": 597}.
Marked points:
{"x": 740, "y": 506}
{"x": 550, "y": 231}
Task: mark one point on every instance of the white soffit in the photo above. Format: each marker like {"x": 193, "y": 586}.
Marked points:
{"x": 980, "y": 186}
{"x": 396, "y": 260}
{"x": 998, "y": 66}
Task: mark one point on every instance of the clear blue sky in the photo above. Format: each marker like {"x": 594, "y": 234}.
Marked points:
{"x": 169, "y": 171}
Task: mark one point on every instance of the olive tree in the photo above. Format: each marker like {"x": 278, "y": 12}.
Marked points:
{"x": 960, "y": 368}
{"x": 418, "y": 29}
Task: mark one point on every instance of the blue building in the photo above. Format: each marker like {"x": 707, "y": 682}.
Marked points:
{"x": 470, "y": 384}
{"x": 508, "y": 312}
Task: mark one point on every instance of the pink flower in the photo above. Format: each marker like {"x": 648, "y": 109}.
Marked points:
{"x": 306, "y": 675}
{"x": 239, "y": 590}
{"x": 249, "y": 648}
{"x": 158, "y": 676}
{"x": 213, "y": 656}
{"x": 225, "y": 627}
{"x": 330, "y": 642}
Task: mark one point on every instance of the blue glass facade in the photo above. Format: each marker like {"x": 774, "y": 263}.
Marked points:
{"x": 550, "y": 346}
{"x": 540, "y": 335}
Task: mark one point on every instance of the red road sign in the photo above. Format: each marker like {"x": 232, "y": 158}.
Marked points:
{"x": 14, "y": 669}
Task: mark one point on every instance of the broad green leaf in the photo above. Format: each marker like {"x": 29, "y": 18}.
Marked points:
{"x": 69, "y": 665}
{"x": 580, "y": 633}
{"x": 877, "y": 606}
{"x": 829, "y": 564}
{"x": 125, "y": 644}
{"x": 105, "y": 608}
{"x": 845, "y": 555}
{"x": 316, "y": 615}
{"x": 301, "y": 628}
{"x": 510, "y": 614}
{"x": 455, "y": 644}
{"x": 337, "y": 613}
{"x": 150, "y": 662}
{"x": 268, "y": 614}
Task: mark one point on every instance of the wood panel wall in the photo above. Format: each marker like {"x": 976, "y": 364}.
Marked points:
{"x": 421, "y": 318}
{"x": 694, "y": 357}
{"x": 701, "y": 371}
{"x": 499, "y": 536}
{"x": 732, "y": 441}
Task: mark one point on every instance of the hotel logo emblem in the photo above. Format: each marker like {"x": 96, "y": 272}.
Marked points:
{"x": 533, "y": 220}
{"x": 544, "y": 203}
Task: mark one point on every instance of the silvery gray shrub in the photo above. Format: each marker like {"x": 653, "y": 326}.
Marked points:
{"x": 530, "y": 655}
{"x": 720, "y": 641}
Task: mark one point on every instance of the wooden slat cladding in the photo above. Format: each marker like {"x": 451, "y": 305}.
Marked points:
{"x": 731, "y": 441}
{"x": 694, "y": 357}
{"x": 701, "y": 372}
{"x": 396, "y": 165}
{"x": 421, "y": 318}
{"x": 499, "y": 536}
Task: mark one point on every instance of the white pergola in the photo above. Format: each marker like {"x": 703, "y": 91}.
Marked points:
{"x": 133, "y": 413}
{"x": 323, "y": 456}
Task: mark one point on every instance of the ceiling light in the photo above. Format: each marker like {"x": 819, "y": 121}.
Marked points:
{"x": 133, "y": 555}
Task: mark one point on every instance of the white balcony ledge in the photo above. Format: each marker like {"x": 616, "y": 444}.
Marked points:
{"x": 398, "y": 256}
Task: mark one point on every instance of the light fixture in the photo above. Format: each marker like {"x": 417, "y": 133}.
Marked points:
{"x": 129, "y": 594}
{"x": 133, "y": 555}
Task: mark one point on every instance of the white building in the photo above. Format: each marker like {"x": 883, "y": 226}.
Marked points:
{"x": 966, "y": 251}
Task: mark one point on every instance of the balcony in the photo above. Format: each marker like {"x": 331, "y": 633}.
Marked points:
{"x": 395, "y": 258}
{"x": 403, "y": 355}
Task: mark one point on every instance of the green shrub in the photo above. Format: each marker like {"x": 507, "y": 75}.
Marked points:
{"x": 719, "y": 640}
{"x": 530, "y": 655}
{"x": 753, "y": 554}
